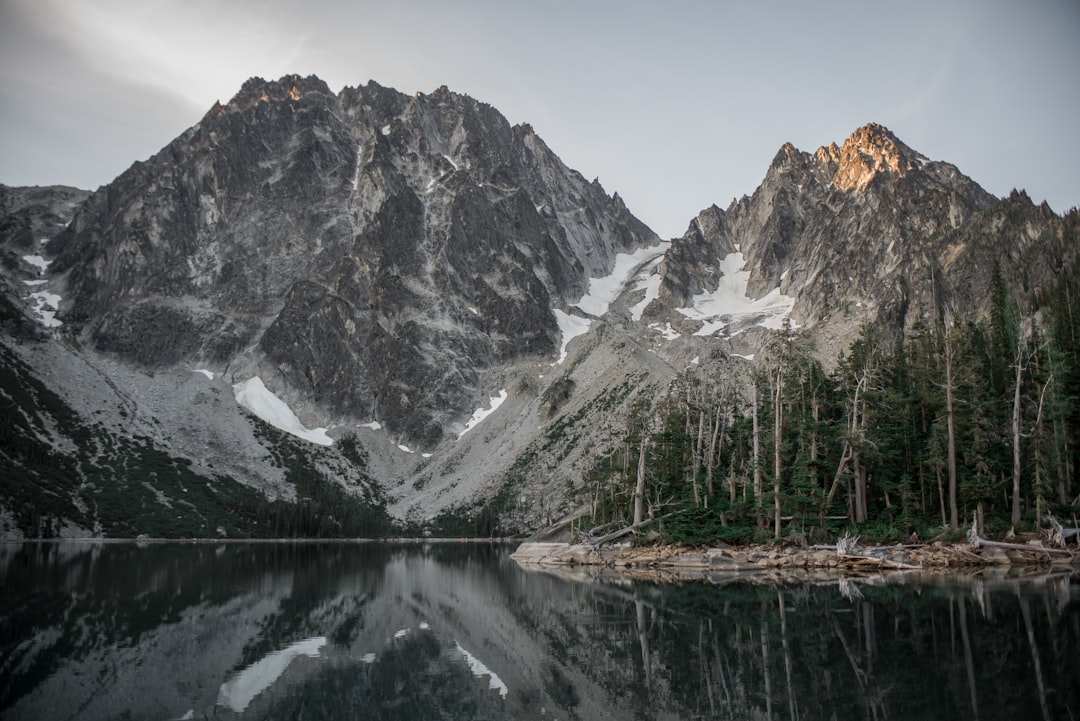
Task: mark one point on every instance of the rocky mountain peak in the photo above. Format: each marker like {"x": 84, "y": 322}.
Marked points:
{"x": 870, "y": 151}
{"x": 289, "y": 87}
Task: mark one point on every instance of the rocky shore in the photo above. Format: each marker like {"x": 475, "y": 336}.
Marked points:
{"x": 842, "y": 558}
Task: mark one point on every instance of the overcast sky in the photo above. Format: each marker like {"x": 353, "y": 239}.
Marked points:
{"x": 674, "y": 105}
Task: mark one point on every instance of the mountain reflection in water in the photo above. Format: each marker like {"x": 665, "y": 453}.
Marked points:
{"x": 459, "y": 631}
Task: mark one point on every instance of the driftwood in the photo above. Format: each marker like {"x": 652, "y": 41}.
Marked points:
{"x": 597, "y": 542}
{"x": 1056, "y": 537}
{"x": 847, "y": 550}
{"x": 859, "y": 560}
{"x": 1021, "y": 547}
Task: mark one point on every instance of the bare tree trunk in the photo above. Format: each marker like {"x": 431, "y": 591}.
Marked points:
{"x": 845, "y": 456}
{"x": 757, "y": 457}
{"x": 778, "y": 419}
{"x": 713, "y": 450}
{"x": 954, "y": 518}
{"x": 858, "y": 428}
{"x": 639, "y": 487}
{"x": 814, "y": 438}
{"x": 696, "y": 464}
{"x": 1016, "y": 443}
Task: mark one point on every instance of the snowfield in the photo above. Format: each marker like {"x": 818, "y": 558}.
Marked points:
{"x": 257, "y": 398}
{"x": 728, "y": 309}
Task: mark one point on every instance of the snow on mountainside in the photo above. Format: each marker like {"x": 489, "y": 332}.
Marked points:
{"x": 435, "y": 304}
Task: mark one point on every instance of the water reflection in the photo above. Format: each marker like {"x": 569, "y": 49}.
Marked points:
{"x": 459, "y": 631}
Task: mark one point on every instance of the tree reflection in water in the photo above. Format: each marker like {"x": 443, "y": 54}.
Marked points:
{"x": 458, "y": 631}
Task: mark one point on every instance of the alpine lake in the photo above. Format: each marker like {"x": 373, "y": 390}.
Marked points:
{"x": 456, "y": 630}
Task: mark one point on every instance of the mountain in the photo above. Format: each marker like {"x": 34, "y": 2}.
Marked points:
{"x": 869, "y": 232}
{"x": 403, "y": 306}
{"x": 369, "y": 252}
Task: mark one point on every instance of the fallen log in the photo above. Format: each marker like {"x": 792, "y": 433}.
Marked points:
{"x": 879, "y": 562}
{"x": 597, "y": 542}
{"x": 1021, "y": 547}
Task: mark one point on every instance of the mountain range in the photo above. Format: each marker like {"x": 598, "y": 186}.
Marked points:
{"x": 408, "y": 300}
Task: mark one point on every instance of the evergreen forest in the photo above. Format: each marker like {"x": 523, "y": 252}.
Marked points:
{"x": 919, "y": 435}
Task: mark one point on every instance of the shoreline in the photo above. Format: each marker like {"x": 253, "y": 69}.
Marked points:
{"x": 697, "y": 561}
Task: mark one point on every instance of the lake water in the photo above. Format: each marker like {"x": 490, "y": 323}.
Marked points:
{"x": 459, "y": 631}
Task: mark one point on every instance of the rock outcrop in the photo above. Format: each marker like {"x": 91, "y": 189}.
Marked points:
{"x": 369, "y": 253}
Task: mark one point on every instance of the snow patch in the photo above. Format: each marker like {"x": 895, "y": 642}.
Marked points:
{"x": 45, "y": 306}
{"x": 374, "y": 425}
{"x": 402, "y": 633}
{"x": 405, "y": 448}
{"x": 481, "y": 413}
{"x": 667, "y": 332}
{"x": 426, "y": 455}
{"x": 478, "y": 669}
{"x": 35, "y": 283}
{"x": 37, "y": 261}
{"x": 695, "y": 360}
{"x": 729, "y": 308}
{"x": 603, "y": 291}
{"x": 208, "y": 374}
{"x": 651, "y": 286}
{"x": 368, "y": 658}
{"x": 242, "y": 689}
{"x": 386, "y": 130}
{"x": 257, "y": 398}
{"x": 571, "y": 326}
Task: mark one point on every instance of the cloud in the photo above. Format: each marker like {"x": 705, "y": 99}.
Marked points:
{"x": 195, "y": 50}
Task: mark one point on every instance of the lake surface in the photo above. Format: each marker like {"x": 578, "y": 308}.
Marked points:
{"x": 459, "y": 631}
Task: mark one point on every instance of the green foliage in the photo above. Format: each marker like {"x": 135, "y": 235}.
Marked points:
{"x": 867, "y": 442}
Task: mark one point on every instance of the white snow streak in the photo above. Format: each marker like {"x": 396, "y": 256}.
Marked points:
{"x": 374, "y": 425}
{"x": 651, "y": 286}
{"x": 405, "y": 448}
{"x": 257, "y": 398}
{"x": 208, "y": 374}
{"x": 602, "y": 291}
{"x": 479, "y": 669}
{"x": 239, "y": 691}
{"x": 728, "y": 308}
{"x": 35, "y": 283}
{"x": 571, "y": 326}
{"x": 481, "y": 413}
{"x": 38, "y": 261}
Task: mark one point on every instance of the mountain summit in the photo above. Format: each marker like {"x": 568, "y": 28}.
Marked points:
{"x": 872, "y": 149}
{"x": 429, "y": 304}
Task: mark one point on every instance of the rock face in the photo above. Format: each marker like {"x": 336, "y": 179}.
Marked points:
{"x": 369, "y": 253}
{"x": 869, "y": 232}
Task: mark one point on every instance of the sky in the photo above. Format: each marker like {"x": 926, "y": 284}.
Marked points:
{"x": 675, "y": 105}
